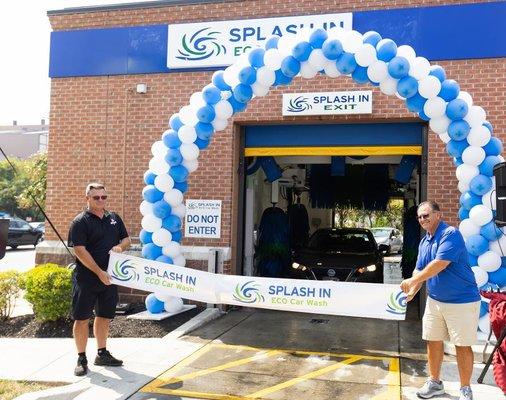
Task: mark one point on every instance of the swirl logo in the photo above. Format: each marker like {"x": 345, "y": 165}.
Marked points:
{"x": 200, "y": 45}
{"x": 299, "y": 104}
{"x": 124, "y": 272}
{"x": 397, "y": 303}
{"x": 248, "y": 293}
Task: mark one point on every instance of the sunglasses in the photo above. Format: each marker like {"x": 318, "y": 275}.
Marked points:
{"x": 99, "y": 198}
{"x": 424, "y": 216}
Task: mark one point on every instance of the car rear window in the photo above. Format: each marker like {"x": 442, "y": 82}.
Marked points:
{"x": 341, "y": 241}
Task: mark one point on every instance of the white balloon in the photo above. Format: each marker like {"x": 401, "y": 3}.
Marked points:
{"x": 146, "y": 208}
{"x": 480, "y": 275}
{"x": 419, "y": 68}
{"x": 478, "y": 136}
{"x": 317, "y": 60}
{"x": 331, "y": 69}
{"x": 158, "y": 149}
{"x": 164, "y": 183}
{"x": 159, "y": 166}
{"x": 259, "y": 90}
{"x": 466, "y": 97}
{"x": 265, "y": 76}
{"x": 189, "y": 151}
{"x": 429, "y": 86}
{"x": 180, "y": 261}
{"x": 197, "y": 101}
{"x": 366, "y": 55}
{"x": 473, "y": 155}
{"x": 434, "y": 107}
{"x": 307, "y": 71}
{"x": 407, "y": 52}
{"x": 445, "y": 137}
{"x": 489, "y": 200}
{"x": 484, "y": 324}
{"x": 219, "y": 124}
{"x": 172, "y": 249}
{"x": 499, "y": 246}
{"x": 174, "y": 197}
{"x": 480, "y": 215}
{"x": 466, "y": 172}
{"x": 231, "y": 75}
{"x": 476, "y": 116}
{"x": 388, "y": 86}
{"x": 190, "y": 165}
{"x": 273, "y": 59}
{"x": 440, "y": 125}
{"x": 173, "y": 305}
{"x": 150, "y": 223}
{"x": 187, "y": 134}
{"x": 223, "y": 109}
{"x": 161, "y": 237}
{"x": 188, "y": 116}
{"x": 179, "y": 210}
{"x": 468, "y": 228}
{"x": 489, "y": 261}
{"x": 463, "y": 187}
{"x": 352, "y": 40}
{"x": 378, "y": 71}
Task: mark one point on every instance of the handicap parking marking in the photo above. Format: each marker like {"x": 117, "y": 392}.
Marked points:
{"x": 158, "y": 385}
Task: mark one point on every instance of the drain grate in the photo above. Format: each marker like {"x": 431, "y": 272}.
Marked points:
{"x": 319, "y": 321}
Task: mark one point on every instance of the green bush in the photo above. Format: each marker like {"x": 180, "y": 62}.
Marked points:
{"x": 49, "y": 290}
{"x": 9, "y": 290}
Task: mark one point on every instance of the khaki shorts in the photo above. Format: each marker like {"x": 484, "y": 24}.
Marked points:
{"x": 456, "y": 323}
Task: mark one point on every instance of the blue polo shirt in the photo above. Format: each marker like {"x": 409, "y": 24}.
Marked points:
{"x": 456, "y": 283}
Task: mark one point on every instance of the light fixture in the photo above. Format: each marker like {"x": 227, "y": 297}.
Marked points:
{"x": 141, "y": 88}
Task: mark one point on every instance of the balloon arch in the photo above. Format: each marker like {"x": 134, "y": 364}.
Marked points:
{"x": 367, "y": 58}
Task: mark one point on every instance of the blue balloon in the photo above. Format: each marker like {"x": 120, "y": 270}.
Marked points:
{"x": 272, "y": 43}
{"x": 177, "y": 236}
{"x": 332, "y": 49}
{"x": 476, "y": 245}
{"x": 219, "y": 81}
{"x": 359, "y": 75}
{"x": 256, "y": 57}
{"x": 449, "y": 90}
{"x": 398, "y": 67}
{"x": 438, "y": 72}
{"x": 372, "y": 38}
{"x": 317, "y": 38}
{"x": 459, "y": 129}
{"x": 204, "y": 130}
{"x": 151, "y": 251}
{"x": 162, "y": 209}
{"x": 415, "y": 103}
{"x": 387, "y": 49}
{"x": 407, "y": 86}
{"x": 172, "y": 223}
{"x": 173, "y": 157}
{"x": 456, "y": 109}
{"x": 247, "y": 75}
{"x": 149, "y": 178}
{"x": 463, "y": 213}
{"x": 145, "y": 237}
{"x": 457, "y": 161}
{"x": 488, "y": 125}
{"x": 480, "y": 185}
{"x": 165, "y": 259}
{"x": 490, "y": 231}
{"x": 423, "y": 116}
{"x": 211, "y": 94}
{"x": 483, "y": 307}
{"x": 181, "y": 186}
{"x": 469, "y": 200}
{"x": 242, "y": 93}
{"x": 153, "y": 305}
{"x": 206, "y": 114}
{"x": 473, "y": 260}
{"x": 346, "y": 63}
{"x": 171, "y": 139}
{"x": 202, "y": 144}
{"x": 301, "y": 51}
{"x": 151, "y": 193}
{"x": 487, "y": 166}
{"x": 236, "y": 105}
{"x": 281, "y": 78}
{"x": 498, "y": 277}
{"x": 493, "y": 147}
{"x": 174, "y": 122}
{"x": 455, "y": 148}
{"x": 290, "y": 66}
{"x": 178, "y": 173}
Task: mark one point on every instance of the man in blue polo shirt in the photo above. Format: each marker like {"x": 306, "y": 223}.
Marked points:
{"x": 453, "y": 302}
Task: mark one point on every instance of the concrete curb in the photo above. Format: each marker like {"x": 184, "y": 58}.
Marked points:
{"x": 66, "y": 392}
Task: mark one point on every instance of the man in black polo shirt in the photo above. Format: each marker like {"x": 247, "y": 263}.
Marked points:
{"x": 94, "y": 233}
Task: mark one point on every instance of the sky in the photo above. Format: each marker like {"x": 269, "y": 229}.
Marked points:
{"x": 24, "y": 57}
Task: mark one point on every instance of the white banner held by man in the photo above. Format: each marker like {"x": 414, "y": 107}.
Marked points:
{"x": 320, "y": 297}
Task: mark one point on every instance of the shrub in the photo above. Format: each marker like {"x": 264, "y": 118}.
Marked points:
{"x": 49, "y": 290}
{"x": 9, "y": 290}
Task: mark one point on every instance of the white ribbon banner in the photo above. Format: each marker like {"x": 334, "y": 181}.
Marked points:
{"x": 369, "y": 300}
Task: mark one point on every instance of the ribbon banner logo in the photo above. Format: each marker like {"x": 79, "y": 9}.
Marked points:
{"x": 368, "y": 300}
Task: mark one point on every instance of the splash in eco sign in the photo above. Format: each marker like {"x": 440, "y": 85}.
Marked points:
{"x": 328, "y": 103}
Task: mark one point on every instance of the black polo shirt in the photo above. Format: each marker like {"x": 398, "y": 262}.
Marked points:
{"x": 98, "y": 236}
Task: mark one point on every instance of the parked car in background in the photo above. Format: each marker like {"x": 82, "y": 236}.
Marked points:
{"x": 39, "y": 226}
{"x": 342, "y": 254}
{"x": 389, "y": 236}
{"x": 22, "y": 233}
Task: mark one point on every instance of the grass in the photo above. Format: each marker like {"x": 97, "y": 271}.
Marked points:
{"x": 12, "y": 389}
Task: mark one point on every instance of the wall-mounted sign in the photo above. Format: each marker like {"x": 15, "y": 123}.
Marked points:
{"x": 328, "y": 103}
{"x": 220, "y": 43}
{"x": 203, "y": 219}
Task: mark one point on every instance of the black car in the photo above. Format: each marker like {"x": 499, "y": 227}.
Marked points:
{"x": 345, "y": 254}
{"x": 21, "y": 233}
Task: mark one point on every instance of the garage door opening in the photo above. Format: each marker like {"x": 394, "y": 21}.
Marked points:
{"x": 341, "y": 211}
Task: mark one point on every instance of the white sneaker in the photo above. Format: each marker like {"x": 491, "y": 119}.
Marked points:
{"x": 466, "y": 393}
{"x": 432, "y": 388}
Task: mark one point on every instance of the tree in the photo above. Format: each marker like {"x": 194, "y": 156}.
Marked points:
{"x": 35, "y": 169}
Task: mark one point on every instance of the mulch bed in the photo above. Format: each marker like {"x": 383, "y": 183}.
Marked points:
{"x": 27, "y": 326}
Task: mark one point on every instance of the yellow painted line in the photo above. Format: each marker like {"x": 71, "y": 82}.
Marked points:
{"x": 393, "y": 391}
{"x": 304, "y": 377}
{"x": 199, "y": 395}
{"x": 334, "y": 151}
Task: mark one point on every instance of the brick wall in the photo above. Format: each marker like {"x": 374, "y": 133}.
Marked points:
{"x": 102, "y": 130}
